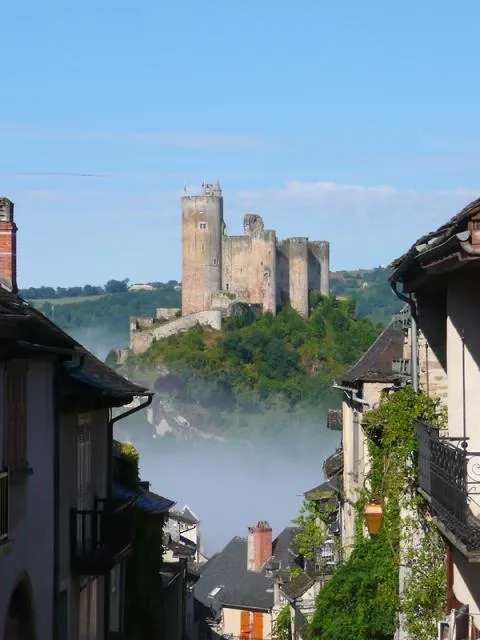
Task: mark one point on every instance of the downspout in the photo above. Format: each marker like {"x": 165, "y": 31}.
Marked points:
{"x": 106, "y": 578}
{"x": 414, "y": 332}
{"x": 353, "y": 392}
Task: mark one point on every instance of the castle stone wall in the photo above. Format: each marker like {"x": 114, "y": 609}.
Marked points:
{"x": 298, "y": 274}
{"x": 202, "y": 229}
{"x": 166, "y": 313}
{"x": 142, "y": 338}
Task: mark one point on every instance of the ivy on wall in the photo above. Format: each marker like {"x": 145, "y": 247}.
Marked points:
{"x": 143, "y": 589}
{"x": 362, "y": 600}
{"x": 282, "y": 627}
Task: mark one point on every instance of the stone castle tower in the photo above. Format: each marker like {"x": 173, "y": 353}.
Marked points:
{"x": 254, "y": 268}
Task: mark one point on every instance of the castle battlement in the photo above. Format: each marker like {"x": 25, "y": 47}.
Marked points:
{"x": 256, "y": 267}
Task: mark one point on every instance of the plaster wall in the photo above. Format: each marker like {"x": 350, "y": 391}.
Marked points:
{"x": 232, "y": 622}
{"x": 31, "y": 551}
{"x": 97, "y": 424}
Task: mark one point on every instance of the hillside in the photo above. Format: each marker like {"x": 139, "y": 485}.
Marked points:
{"x": 263, "y": 376}
{"x": 110, "y": 311}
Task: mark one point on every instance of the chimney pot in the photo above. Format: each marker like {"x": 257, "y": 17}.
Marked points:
{"x": 259, "y": 545}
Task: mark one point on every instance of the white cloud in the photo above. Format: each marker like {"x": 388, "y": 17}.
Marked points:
{"x": 367, "y": 203}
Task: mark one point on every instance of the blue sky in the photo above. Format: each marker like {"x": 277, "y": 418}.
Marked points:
{"x": 351, "y": 122}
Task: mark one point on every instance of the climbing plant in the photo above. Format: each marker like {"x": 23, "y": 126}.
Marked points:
{"x": 282, "y": 626}
{"x": 369, "y": 580}
{"x": 315, "y": 514}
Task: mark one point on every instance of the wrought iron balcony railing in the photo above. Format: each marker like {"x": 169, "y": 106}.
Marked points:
{"x": 4, "y": 505}
{"x": 402, "y": 366}
{"x": 402, "y": 320}
{"x": 450, "y": 475}
{"x": 101, "y": 537}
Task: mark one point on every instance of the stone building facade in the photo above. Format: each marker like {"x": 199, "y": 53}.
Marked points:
{"x": 255, "y": 268}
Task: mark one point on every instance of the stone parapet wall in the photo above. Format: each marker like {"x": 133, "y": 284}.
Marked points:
{"x": 141, "y": 339}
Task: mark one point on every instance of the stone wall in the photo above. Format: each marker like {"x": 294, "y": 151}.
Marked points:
{"x": 249, "y": 264}
{"x": 164, "y": 313}
{"x": 298, "y": 274}
{"x": 142, "y": 338}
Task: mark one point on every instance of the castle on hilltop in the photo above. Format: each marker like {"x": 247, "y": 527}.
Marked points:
{"x": 255, "y": 268}
{"x": 222, "y": 272}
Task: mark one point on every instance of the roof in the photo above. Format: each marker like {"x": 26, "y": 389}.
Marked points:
{"x": 298, "y": 586}
{"x": 36, "y": 331}
{"x": 376, "y": 363}
{"x": 333, "y": 464}
{"x": 441, "y": 242}
{"x": 225, "y": 580}
{"x": 318, "y": 493}
{"x": 335, "y": 420}
{"x": 145, "y": 500}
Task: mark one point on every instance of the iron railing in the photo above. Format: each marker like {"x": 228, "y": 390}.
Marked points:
{"x": 4, "y": 505}
{"x": 402, "y": 366}
{"x": 402, "y": 319}
{"x": 100, "y": 537}
{"x": 450, "y": 475}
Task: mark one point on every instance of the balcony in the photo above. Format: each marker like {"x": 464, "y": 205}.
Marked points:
{"x": 449, "y": 477}
{"x": 4, "y": 506}
{"x": 101, "y": 537}
{"x": 403, "y": 367}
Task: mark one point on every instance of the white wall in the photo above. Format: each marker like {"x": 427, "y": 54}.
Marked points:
{"x": 32, "y": 504}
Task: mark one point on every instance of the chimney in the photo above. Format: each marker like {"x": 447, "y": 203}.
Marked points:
{"x": 8, "y": 246}
{"x": 259, "y": 545}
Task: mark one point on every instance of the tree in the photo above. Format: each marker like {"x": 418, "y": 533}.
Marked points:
{"x": 116, "y": 286}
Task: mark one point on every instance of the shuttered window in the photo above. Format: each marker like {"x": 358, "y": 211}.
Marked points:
{"x": 15, "y": 415}
{"x": 257, "y": 625}
{"x": 245, "y": 625}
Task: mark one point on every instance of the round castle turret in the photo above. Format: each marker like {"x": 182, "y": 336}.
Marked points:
{"x": 202, "y": 230}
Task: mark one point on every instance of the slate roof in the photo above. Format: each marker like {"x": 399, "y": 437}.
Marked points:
{"x": 330, "y": 487}
{"x": 298, "y": 586}
{"x": 34, "y": 329}
{"x": 145, "y": 500}
{"x": 438, "y": 237}
{"x": 335, "y": 420}
{"x": 240, "y": 587}
{"x": 333, "y": 464}
{"x": 376, "y": 363}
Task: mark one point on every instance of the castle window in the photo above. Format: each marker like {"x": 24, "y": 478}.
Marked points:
{"x": 215, "y": 261}
{"x": 202, "y": 226}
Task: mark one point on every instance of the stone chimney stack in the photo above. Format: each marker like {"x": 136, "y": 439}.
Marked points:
{"x": 259, "y": 545}
{"x": 8, "y": 246}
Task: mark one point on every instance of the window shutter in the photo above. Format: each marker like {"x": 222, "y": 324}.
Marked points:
{"x": 15, "y": 415}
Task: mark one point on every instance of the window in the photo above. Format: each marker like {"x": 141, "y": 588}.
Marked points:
{"x": 15, "y": 415}
{"x": 215, "y": 592}
{"x": 202, "y": 226}
{"x": 84, "y": 467}
{"x": 215, "y": 261}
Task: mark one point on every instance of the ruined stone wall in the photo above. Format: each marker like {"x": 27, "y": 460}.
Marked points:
{"x": 202, "y": 230}
{"x": 283, "y": 274}
{"x": 319, "y": 266}
{"x": 298, "y": 274}
{"x": 142, "y": 337}
{"x": 166, "y": 313}
{"x": 249, "y": 265}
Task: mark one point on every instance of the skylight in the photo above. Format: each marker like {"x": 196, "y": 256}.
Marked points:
{"x": 215, "y": 592}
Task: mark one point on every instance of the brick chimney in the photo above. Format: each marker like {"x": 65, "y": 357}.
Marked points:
{"x": 259, "y": 545}
{"x": 8, "y": 246}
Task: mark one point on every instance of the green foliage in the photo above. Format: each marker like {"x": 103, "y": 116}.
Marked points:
{"x": 359, "y": 601}
{"x": 259, "y": 364}
{"x": 314, "y": 515}
{"x": 282, "y": 626}
{"x": 369, "y": 579}
{"x": 142, "y": 586}
{"x": 111, "y": 311}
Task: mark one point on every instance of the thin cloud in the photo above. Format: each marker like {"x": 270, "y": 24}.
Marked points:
{"x": 377, "y": 203}
{"x": 186, "y": 140}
